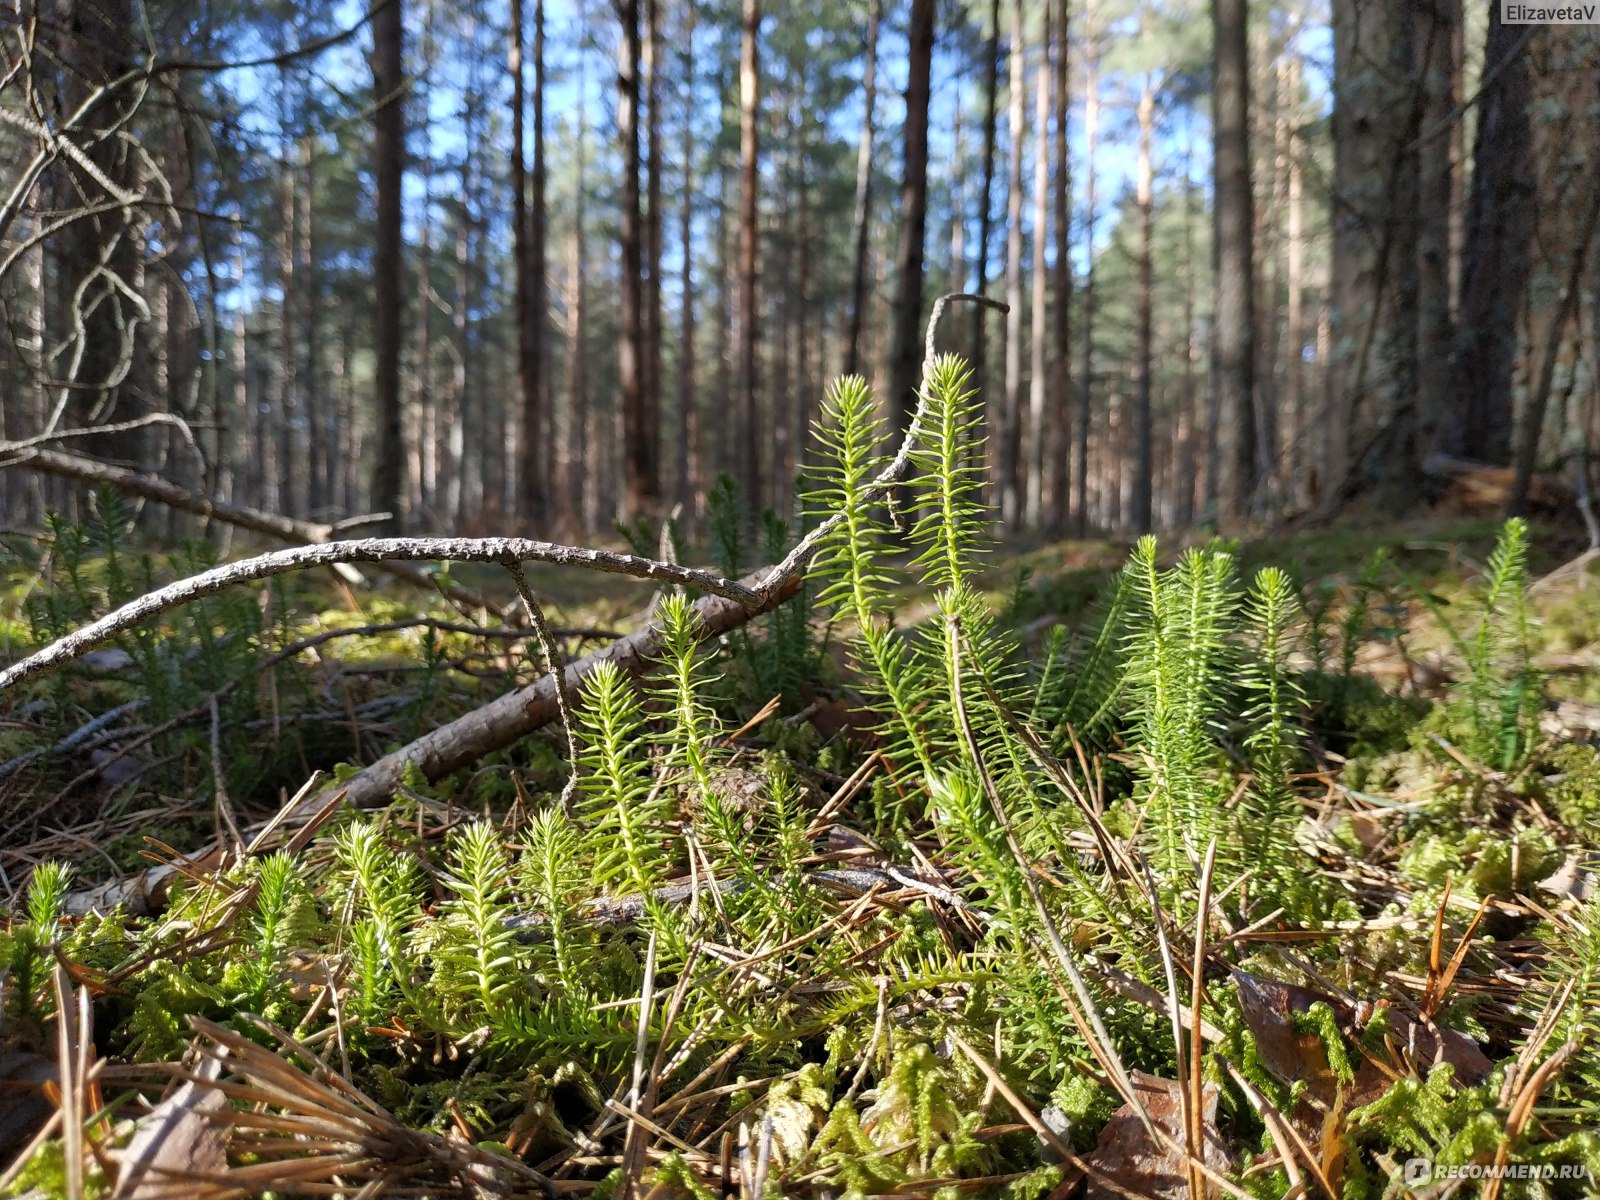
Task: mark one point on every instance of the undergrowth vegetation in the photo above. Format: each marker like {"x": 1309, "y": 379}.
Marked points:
{"x": 1177, "y": 899}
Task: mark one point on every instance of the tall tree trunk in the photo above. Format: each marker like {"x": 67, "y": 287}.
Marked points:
{"x": 1550, "y": 346}
{"x": 574, "y": 478}
{"x": 1091, "y": 129}
{"x": 287, "y": 495}
{"x": 527, "y": 352}
{"x": 311, "y": 318}
{"x": 457, "y": 490}
{"x": 93, "y": 42}
{"x": 1496, "y": 263}
{"x": 689, "y": 451}
{"x": 991, "y": 111}
{"x": 722, "y": 454}
{"x": 1232, "y": 253}
{"x": 653, "y": 240}
{"x": 1438, "y": 39}
{"x": 1011, "y": 495}
{"x": 638, "y": 481}
{"x": 1140, "y": 514}
{"x": 1037, "y": 383}
{"x": 539, "y": 236}
{"x": 905, "y": 355}
{"x": 1295, "y": 492}
{"x": 528, "y": 222}
{"x": 1267, "y": 131}
{"x": 1377, "y": 111}
{"x": 388, "y": 301}
{"x": 958, "y": 204}
{"x": 802, "y": 397}
{"x": 1187, "y": 467}
{"x": 1564, "y": 63}
{"x": 753, "y": 438}
{"x": 1061, "y": 349}
{"x": 863, "y": 206}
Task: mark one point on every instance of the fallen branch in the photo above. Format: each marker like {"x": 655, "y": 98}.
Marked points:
{"x": 84, "y": 469}
{"x": 280, "y": 562}
{"x": 517, "y": 714}
{"x": 846, "y": 881}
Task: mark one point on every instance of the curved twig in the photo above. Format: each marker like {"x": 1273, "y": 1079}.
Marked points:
{"x": 797, "y": 558}
{"x": 279, "y": 562}
{"x": 556, "y": 664}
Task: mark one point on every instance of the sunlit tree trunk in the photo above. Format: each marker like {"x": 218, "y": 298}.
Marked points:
{"x": 1438, "y": 39}
{"x": 388, "y": 302}
{"x": 1495, "y": 267}
{"x": 689, "y": 451}
{"x": 1376, "y": 115}
{"x": 1011, "y": 494}
{"x": 638, "y": 477}
{"x": 1091, "y": 128}
{"x": 1564, "y": 62}
{"x": 1139, "y": 515}
{"x": 1186, "y": 468}
{"x": 905, "y": 347}
{"x": 652, "y": 248}
{"x": 863, "y": 204}
{"x": 991, "y": 108}
{"x": 1037, "y": 384}
{"x": 1232, "y": 252}
{"x": 753, "y": 438}
{"x": 575, "y": 484}
{"x": 1061, "y": 346}
{"x": 528, "y": 221}
{"x": 1294, "y": 392}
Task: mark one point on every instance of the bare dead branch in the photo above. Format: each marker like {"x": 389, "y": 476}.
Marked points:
{"x": 84, "y": 469}
{"x": 281, "y": 562}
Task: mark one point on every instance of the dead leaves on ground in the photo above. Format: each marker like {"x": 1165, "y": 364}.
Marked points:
{"x": 1128, "y": 1159}
{"x": 1292, "y": 1051}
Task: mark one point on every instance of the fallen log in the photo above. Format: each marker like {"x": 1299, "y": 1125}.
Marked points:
{"x": 460, "y": 743}
{"x": 517, "y": 714}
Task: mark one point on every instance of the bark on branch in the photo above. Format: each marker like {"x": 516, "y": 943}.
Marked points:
{"x": 280, "y": 562}
{"x": 84, "y": 469}
{"x": 517, "y": 714}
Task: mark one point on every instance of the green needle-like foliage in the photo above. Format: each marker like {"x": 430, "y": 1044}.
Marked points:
{"x": 622, "y": 809}
{"x": 691, "y": 727}
{"x": 1176, "y": 663}
{"x": 948, "y": 460}
{"x": 479, "y": 958}
{"x": 278, "y": 881}
{"x": 554, "y": 871}
{"x": 850, "y": 563}
{"x": 47, "y": 895}
{"x": 850, "y": 441}
{"x": 1270, "y": 813}
{"x": 1502, "y": 698}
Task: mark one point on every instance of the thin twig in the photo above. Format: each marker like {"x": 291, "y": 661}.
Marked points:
{"x": 555, "y": 662}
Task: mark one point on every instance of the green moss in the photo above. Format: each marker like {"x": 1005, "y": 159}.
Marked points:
{"x": 1482, "y": 862}
{"x": 1570, "y": 785}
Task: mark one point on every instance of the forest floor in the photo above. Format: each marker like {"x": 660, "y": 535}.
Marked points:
{"x": 1106, "y": 874}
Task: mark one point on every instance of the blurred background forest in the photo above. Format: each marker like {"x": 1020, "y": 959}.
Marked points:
{"x": 541, "y": 267}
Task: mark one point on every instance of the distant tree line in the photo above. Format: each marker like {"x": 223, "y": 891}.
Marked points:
{"x": 492, "y": 272}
